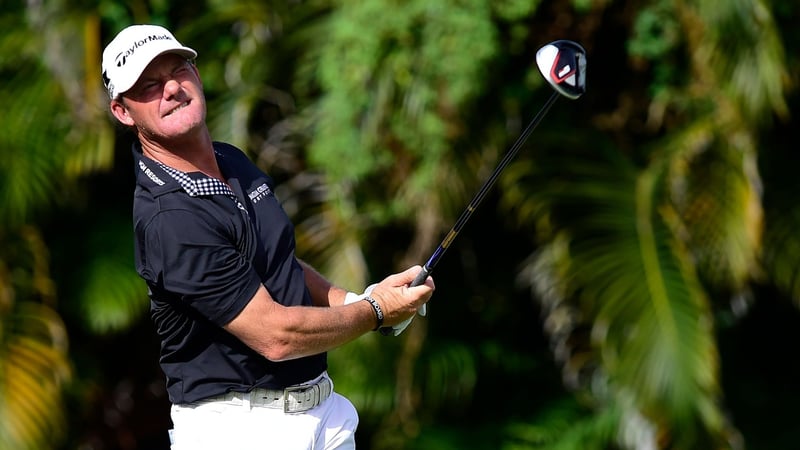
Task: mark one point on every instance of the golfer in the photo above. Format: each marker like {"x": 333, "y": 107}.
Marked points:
{"x": 244, "y": 325}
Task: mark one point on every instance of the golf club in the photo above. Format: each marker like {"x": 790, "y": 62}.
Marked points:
{"x": 563, "y": 64}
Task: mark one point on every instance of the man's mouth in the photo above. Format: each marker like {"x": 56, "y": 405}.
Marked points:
{"x": 180, "y": 107}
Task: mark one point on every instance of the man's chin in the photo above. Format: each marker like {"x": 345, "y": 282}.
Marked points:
{"x": 181, "y": 126}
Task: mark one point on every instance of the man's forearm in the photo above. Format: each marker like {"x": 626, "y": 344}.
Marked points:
{"x": 323, "y": 292}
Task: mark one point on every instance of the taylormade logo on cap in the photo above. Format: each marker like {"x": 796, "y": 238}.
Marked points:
{"x": 123, "y": 57}
{"x": 129, "y": 53}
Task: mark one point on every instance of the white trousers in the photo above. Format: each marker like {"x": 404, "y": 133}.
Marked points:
{"x": 228, "y": 426}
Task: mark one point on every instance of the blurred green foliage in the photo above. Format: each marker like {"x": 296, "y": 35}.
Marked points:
{"x": 630, "y": 283}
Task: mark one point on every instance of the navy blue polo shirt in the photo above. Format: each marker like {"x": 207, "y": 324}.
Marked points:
{"x": 204, "y": 248}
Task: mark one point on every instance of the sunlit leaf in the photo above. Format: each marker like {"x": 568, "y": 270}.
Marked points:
{"x": 33, "y": 369}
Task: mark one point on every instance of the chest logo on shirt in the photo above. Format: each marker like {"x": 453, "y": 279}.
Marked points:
{"x": 259, "y": 193}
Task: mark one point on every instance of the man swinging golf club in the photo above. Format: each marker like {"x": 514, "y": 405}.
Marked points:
{"x": 244, "y": 325}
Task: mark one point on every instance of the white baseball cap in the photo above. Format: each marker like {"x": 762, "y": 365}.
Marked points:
{"x": 126, "y": 57}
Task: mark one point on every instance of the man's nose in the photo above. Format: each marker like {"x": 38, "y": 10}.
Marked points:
{"x": 171, "y": 87}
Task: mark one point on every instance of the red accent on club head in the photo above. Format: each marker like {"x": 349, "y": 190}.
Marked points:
{"x": 555, "y": 76}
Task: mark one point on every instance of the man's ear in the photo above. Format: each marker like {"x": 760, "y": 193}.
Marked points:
{"x": 119, "y": 111}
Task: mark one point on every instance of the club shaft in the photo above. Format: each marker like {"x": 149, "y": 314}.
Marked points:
{"x": 427, "y": 269}
{"x": 487, "y": 185}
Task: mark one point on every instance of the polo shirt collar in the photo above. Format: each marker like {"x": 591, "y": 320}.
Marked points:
{"x": 166, "y": 179}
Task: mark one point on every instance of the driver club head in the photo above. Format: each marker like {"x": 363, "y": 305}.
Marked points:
{"x": 563, "y": 64}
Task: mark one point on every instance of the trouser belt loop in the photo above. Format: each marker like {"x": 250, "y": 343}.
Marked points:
{"x": 247, "y": 399}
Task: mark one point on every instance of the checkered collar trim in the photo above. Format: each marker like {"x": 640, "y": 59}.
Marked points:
{"x": 198, "y": 187}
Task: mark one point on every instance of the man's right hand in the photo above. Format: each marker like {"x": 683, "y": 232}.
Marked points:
{"x": 399, "y": 302}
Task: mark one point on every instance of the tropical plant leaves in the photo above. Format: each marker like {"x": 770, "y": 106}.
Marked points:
{"x": 33, "y": 346}
{"x": 33, "y": 369}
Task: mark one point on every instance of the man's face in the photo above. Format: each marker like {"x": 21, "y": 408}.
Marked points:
{"x": 166, "y": 102}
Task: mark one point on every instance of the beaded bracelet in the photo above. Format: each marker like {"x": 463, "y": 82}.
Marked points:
{"x": 378, "y": 310}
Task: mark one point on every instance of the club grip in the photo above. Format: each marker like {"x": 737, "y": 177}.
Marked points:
{"x": 421, "y": 277}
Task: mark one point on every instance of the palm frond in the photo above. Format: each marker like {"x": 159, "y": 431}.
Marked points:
{"x": 743, "y": 48}
{"x": 53, "y": 122}
{"x": 34, "y": 368}
{"x": 33, "y": 346}
{"x": 627, "y": 275}
{"x": 30, "y": 167}
{"x": 72, "y": 64}
{"x": 716, "y": 191}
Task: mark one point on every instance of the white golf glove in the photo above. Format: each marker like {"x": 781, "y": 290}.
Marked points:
{"x": 352, "y": 297}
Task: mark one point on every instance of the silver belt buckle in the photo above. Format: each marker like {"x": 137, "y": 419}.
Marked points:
{"x": 286, "y": 397}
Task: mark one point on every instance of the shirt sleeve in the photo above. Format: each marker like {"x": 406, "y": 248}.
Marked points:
{"x": 195, "y": 257}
